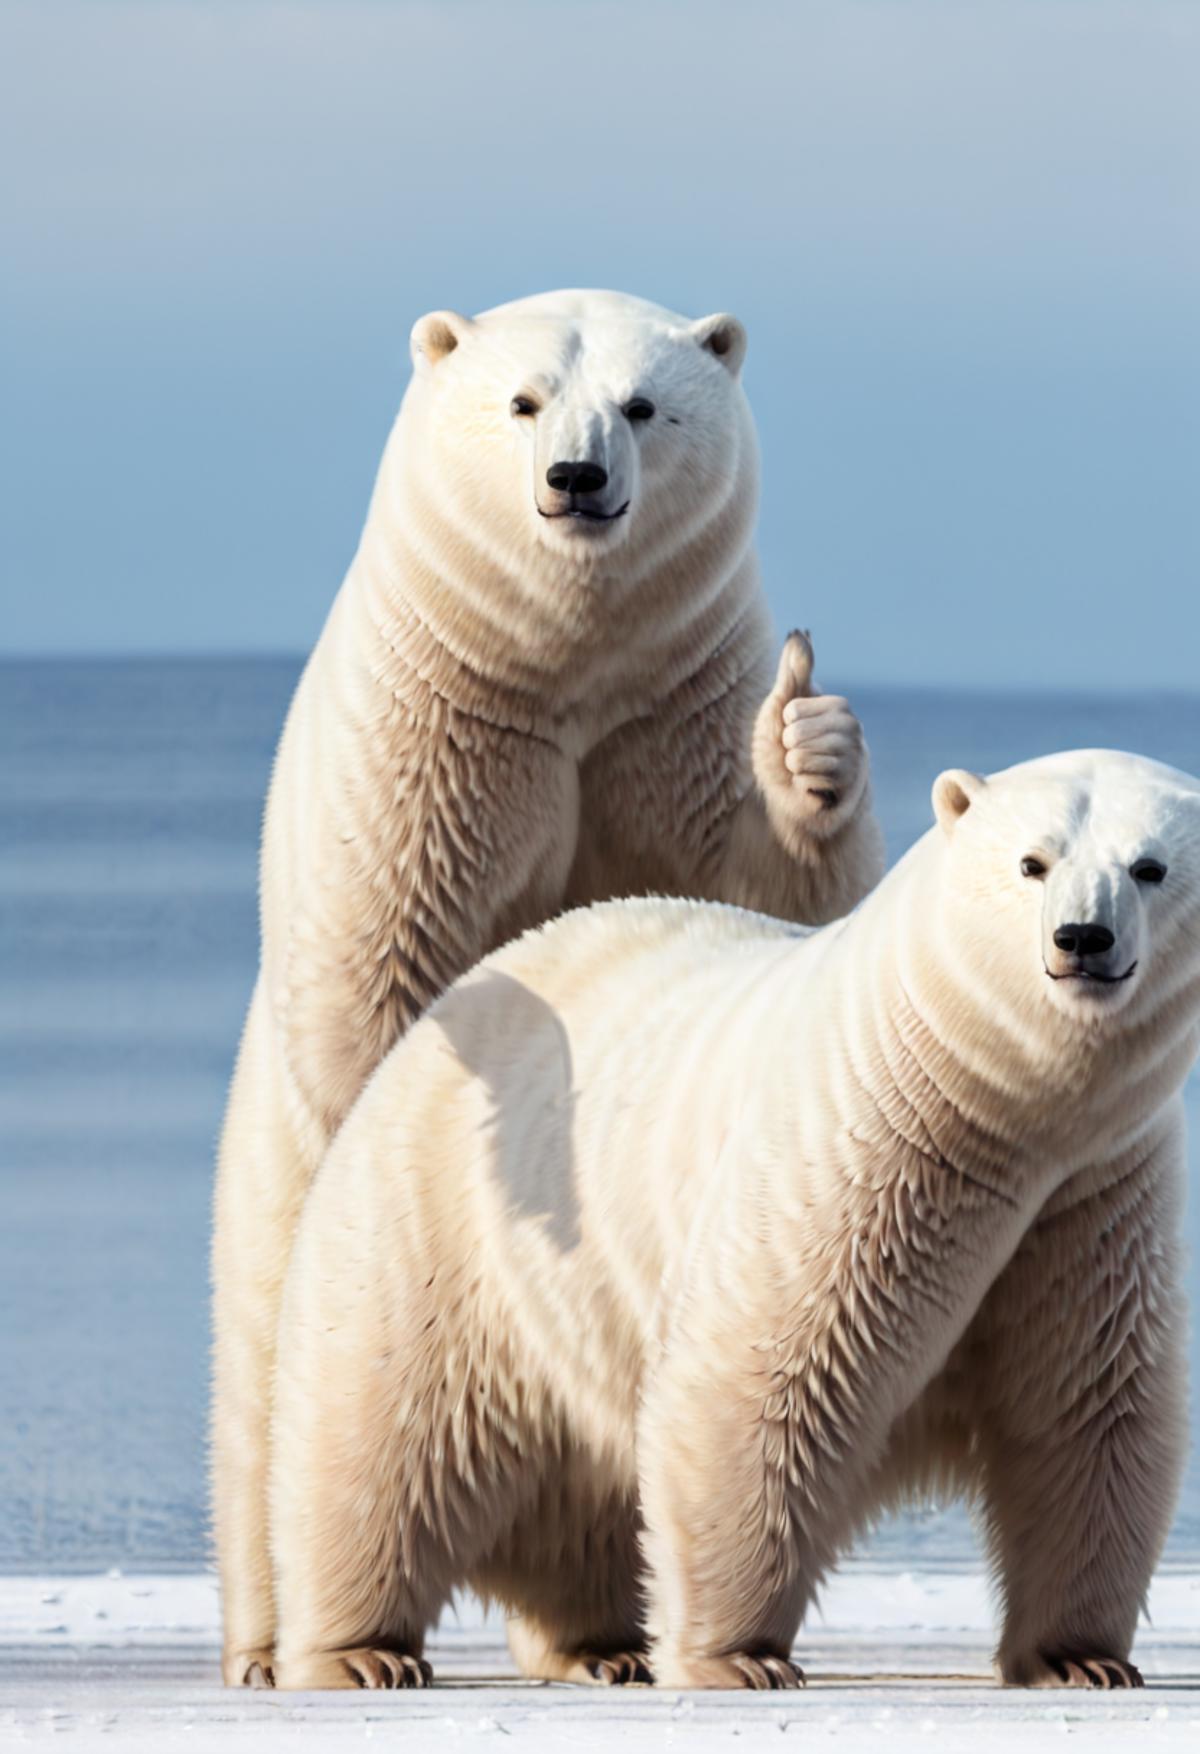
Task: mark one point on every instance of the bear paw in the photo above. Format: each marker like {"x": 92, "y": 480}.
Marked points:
{"x": 616, "y": 1668}
{"x": 809, "y": 752}
{"x": 1070, "y": 1669}
{"x": 248, "y": 1668}
{"x": 371, "y": 1666}
{"x": 737, "y": 1669}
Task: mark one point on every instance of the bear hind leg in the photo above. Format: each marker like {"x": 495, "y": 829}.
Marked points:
{"x": 364, "y": 1627}
{"x": 570, "y": 1572}
{"x": 387, "y": 1487}
{"x": 552, "y": 1652}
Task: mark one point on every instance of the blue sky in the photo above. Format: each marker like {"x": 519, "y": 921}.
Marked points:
{"x": 963, "y": 235}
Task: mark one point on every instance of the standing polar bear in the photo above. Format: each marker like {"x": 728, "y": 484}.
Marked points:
{"x": 547, "y": 679}
{"x": 674, "y": 1242}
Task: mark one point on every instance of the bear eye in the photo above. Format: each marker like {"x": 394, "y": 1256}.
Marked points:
{"x": 522, "y": 406}
{"x": 1148, "y": 870}
{"x": 1031, "y": 867}
{"x": 639, "y": 409}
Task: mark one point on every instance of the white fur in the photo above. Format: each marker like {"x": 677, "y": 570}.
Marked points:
{"x": 509, "y": 710}
{"x": 675, "y": 1241}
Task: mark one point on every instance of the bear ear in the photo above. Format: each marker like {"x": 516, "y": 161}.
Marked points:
{"x": 953, "y": 793}
{"x": 436, "y": 335}
{"x": 724, "y": 337}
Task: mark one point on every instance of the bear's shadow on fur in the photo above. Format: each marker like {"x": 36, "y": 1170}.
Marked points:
{"x": 495, "y": 1015}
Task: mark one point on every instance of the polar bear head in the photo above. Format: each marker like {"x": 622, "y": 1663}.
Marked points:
{"x": 576, "y": 423}
{"x": 1074, "y": 882}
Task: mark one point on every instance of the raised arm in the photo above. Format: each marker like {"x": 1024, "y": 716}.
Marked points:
{"x": 723, "y": 795}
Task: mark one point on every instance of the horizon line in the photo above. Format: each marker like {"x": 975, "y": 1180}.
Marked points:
{"x": 1125, "y": 691}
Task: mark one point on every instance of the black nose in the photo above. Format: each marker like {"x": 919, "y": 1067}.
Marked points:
{"x": 1084, "y": 940}
{"x": 577, "y": 477}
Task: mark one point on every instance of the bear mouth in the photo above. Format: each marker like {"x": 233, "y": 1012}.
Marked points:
{"x": 586, "y": 514}
{"x": 1084, "y": 974}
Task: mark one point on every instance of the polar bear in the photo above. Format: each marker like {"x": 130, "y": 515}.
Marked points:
{"x": 547, "y": 680}
{"x": 675, "y": 1241}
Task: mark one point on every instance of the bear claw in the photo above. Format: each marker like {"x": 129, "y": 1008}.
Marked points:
{"x": 619, "y": 1668}
{"x": 367, "y": 1666}
{"x": 772, "y": 1672}
{"x": 381, "y": 1668}
{"x": 249, "y": 1668}
{"x": 1106, "y": 1672}
{"x": 1070, "y": 1668}
{"x": 738, "y": 1669}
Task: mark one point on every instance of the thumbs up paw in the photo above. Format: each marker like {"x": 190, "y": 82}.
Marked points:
{"x": 810, "y": 756}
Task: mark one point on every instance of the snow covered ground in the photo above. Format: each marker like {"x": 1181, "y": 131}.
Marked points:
{"x": 894, "y": 1658}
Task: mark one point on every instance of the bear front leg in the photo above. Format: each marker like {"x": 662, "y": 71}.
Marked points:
{"x": 733, "y": 1556}
{"x": 783, "y": 1373}
{"x": 1083, "y": 1430}
{"x": 730, "y": 1571}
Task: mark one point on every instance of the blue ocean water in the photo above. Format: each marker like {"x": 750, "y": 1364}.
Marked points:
{"x": 130, "y": 801}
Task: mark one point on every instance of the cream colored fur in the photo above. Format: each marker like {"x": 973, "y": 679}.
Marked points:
{"x": 508, "y": 711}
{"x": 674, "y": 1242}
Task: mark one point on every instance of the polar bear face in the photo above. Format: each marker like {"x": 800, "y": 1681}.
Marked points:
{"x": 1076, "y": 880}
{"x": 576, "y": 423}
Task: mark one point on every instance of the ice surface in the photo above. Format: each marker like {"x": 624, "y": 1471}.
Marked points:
{"x": 899, "y": 1659}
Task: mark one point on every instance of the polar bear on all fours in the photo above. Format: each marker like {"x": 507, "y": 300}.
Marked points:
{"x": 675, "y": 1241}
{"x": 549, "y": 678}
